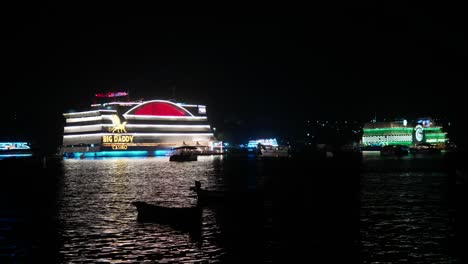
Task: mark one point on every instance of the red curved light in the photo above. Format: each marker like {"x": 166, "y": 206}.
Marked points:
{"x": 160, "y": 109}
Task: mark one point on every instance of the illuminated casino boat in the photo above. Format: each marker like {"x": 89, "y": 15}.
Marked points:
{"x": 14, "y": 149}
{"x": 143, "y": 128}
{"x": 418, "y": 134}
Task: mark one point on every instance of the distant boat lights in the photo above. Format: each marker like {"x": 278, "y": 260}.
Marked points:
{"x": 266, "y": 142}
{"x": 13, "y": 145}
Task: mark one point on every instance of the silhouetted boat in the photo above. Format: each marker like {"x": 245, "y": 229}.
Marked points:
{"x": 179, "y": 216}
{"x": 425, "y": 149}
{"x": 274, "y": 152}
{"x": 242, "y": 198}
{"x": 184, "y": 153}
{"x": 394, "y": 150}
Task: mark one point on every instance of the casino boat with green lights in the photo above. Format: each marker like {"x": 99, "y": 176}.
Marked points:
{"x": 144, "y": 128}
{"x": 420, "y": 132}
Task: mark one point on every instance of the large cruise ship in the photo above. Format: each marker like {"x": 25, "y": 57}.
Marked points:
{"x": 142, "y": 128}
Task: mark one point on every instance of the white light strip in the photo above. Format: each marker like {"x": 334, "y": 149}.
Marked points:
{"x": 87, "y": 128}
{"x": 187, "y": 105}
{"x": 71, "y": 129}
{"x": 169, "y": 126}
{"x": 95, "y": 112}
{"x": 389, "y": 138}
{"x": 83, "y": 119}
{"x": 149, "y": 117}
{"x": 140, "y": 135}
{"x": 145, "y": 126}
{"x": 161, "y": 101}
{"x": 81, "y": 113}
{"x": 91, "y": 118}
{"x": 121, "y": 103}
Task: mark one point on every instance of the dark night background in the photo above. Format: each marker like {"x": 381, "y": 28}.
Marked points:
{"x": 260, "y": 72}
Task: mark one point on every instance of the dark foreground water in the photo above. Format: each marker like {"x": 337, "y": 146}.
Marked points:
{"x": 376, "y": 210}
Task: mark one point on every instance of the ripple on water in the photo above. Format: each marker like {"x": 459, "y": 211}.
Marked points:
{"x": 98, "y": 222}
{"x": 404, "y": 219}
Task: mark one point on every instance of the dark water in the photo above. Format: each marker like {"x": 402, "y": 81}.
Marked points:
{"x": 314, "y": 211}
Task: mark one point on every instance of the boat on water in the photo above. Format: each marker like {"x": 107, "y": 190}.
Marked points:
{"x": 181, "y": 216}
{"x": 15, "y": 150}
{"x": 274, "y": 152}
{"x": 117, "y": 128}
{"x": 184, "y": 153}
{"x": 394, "y": 150}
{"x": 425, "y": 149}
{"x": 226, "y": 197}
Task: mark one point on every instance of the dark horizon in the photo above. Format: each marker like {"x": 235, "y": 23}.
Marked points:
{"x": 265, "y": 71}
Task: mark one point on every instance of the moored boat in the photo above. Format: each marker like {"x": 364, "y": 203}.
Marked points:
{"x": 394, "y": 150}
{"x": 185, "y": 216}
{"x": 184, "y": 153}
{"x": 116, "y": 128}
{"x": 227, "y": 197}
{"x": 425, "y": 149}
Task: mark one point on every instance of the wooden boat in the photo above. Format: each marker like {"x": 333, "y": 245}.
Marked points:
{"x": 205, "y": 197}
{"x": 179, "y": 216}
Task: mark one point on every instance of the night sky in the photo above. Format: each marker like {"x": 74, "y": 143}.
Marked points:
{"x": 260, "y": 71}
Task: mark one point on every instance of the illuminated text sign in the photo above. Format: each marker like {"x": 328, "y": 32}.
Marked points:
{"x": 117, "y": 139}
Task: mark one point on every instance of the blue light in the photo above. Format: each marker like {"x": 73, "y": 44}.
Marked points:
{"x": 111, "y": 154}
{"x": 424, "y": 122}
{"x": 266, "y": 142}
{"x": 161, "y": 152}
{"x": 2, "y": 156}
{"x": 123, "y": 153}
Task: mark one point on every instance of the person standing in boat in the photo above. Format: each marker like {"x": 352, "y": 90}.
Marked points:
{"x": 259, "y": 148}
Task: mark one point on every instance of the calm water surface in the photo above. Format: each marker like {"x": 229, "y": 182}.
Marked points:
{"x": 378, "y": 210}
{"x": 98, "y": 221}
{"x": 406, "y": 212}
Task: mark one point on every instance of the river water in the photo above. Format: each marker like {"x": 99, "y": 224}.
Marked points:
{"x": 372, "y": 210}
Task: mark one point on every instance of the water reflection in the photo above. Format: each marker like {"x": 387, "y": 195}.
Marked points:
{"x": 324, "y": 211}
{"x": 406, "y": 213}
{"x": 99, "y": 222}
{"x": 405, "y": 218}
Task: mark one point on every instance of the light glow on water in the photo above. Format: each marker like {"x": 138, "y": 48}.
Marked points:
{"x": 3, "y": 156}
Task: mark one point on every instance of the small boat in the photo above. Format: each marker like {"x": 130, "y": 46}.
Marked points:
{"x": 179, "y": 216}
{"x": 208, "y": 195}
{"x": 226, "y": 197}
{"x": 184, "y": 153}
{"x": 274, "y": 152}
{"x": 425, "y": 149}
{"x": 394, "y": 150}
